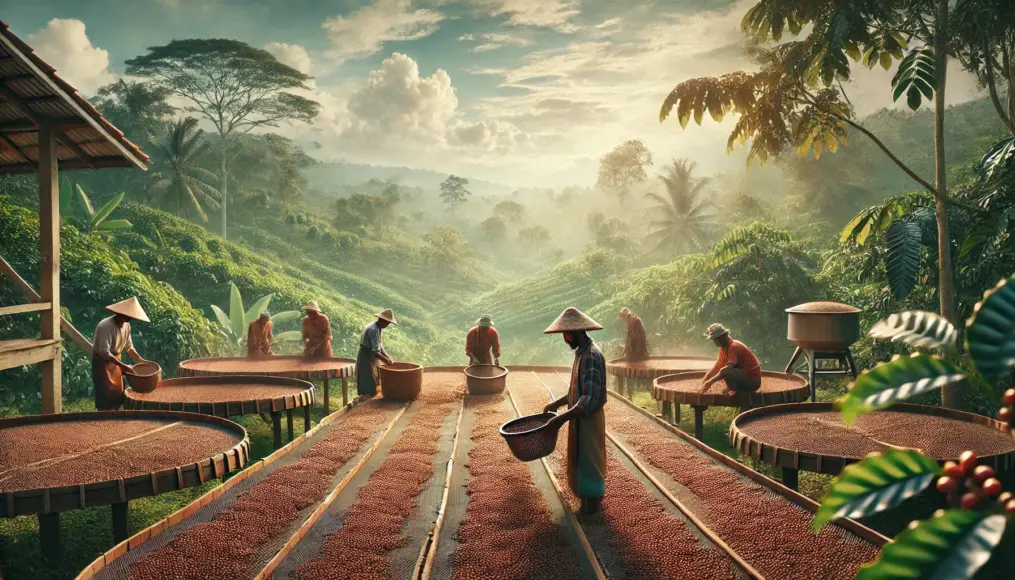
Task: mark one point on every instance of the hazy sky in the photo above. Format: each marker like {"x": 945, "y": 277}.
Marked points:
{"x": 524, "y": 92}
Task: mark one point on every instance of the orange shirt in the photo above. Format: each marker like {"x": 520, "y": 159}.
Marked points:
{"x": 259, "y": 339}
{"x": 315, "y": 330}
{"x": 479, "y": 342}
{"x": 739, "y": 356}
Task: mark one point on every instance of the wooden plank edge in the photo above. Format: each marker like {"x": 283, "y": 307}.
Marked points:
{"x": 590, "y": 554}
{"x": 428, "y": 552}
{"x": 135, "y": 541}
{"x": 322, "y": 508}
{"x": 759, "y": 478}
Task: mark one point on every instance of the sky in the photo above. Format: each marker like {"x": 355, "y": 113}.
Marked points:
{"x": 520, "y": 92}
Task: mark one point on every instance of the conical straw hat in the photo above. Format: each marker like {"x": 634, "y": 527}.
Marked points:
{"x": 387, "y": 315}
{"x": 129, "y": 307}
{"x": 312, "y": 305}
{"x": 572, "y": 320}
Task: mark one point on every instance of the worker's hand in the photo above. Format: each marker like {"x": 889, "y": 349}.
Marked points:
{"x": 551, "y": 407}
{"x": 129, "y": 368}
{"x": 496, "y": 361}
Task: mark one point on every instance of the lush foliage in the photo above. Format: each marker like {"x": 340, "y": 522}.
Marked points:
{"x": 234, "y": 325}
{"x": 681, "y": 219}
{"x": 624, "y": 167}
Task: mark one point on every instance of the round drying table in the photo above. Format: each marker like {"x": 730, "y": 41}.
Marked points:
{"x": 685, "y": 388}
{"x": 292, "y": 367}
{"x": 54, "y": 463}
{"x": 229, "y": 396}
{"x": 652, "y": 368}
{"x": 812, "y": 436}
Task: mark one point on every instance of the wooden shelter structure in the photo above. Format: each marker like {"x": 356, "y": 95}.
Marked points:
{"x": 46, "y": 127}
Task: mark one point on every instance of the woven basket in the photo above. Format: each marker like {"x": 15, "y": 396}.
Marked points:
{"x": 401, "y": 381}
{"x": 145, "y": 378}
{"x": 530, "y": 437}
{"x": 485, "y": 379}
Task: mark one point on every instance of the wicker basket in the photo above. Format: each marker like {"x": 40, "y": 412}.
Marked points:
{"x": 485, "y": 379}
{"x": 145, "y": 378}
{"x": 530, "y": 437}
{"x": 401, "y": 381}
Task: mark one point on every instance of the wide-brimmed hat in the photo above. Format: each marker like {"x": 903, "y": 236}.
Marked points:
{"x": 572, "y": 320}
{"x": 715, "y": 331}
{"x": 130, "y": 308}
{"x": 388, "y": 316}
{"x": 624, "y": 312}
{"x": 312, "y": 305}
{"x": 485, "y": 320}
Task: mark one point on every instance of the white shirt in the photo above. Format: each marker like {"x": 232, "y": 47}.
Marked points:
{"x": 110, "y": 339}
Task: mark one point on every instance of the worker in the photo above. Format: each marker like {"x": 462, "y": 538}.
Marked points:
{"x": 482, "y": 342}
{"x": 112, "y": 338}
{"x": 316, "y": 332}
{"x": 371, "y": 348}
{"x": 736, "y": 365}
{"x": 586, "y": 442}
{"x": 259, "y": 336}
{"x": 636, "y": 346}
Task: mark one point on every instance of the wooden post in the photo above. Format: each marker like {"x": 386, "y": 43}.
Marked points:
{"x": 327, "y": 405}
{"x": 49, "y": 535}
{"x": 121, "y": 521}
{"x": 49, "y": 289}
{"x": 306, "y": 419}
{"x": 667, "y": 411}
{"x": 276, "y": 429}
{"x": 345, "y": 391}
{"x": 790, "y": 478}
{"x": 676, "y": 414}
{"x": 699, "y": 421}
{"x": 289, "y": 423}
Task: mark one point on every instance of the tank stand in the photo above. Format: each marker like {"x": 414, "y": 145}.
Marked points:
{"x": 845, "y": 359}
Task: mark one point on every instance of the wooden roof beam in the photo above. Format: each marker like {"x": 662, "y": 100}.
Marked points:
{"x": 27, "y": 125}
{"x": 17, "y": 77}
{"x": 15, "y": 147}
{"x": 20, "y": 103}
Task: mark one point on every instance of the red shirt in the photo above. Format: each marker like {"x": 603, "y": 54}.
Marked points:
{"x": 480, "y": 342}
{"x": 741, "y": 357}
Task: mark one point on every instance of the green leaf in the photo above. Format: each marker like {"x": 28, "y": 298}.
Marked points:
{"x": 917, "y": 77}
{"x": 105, "y": 210}
{"x": 223, "y": 321}
{"x": 904, "y": 257}
{"x": 894, "y": 381}
{"x": 148, "y": 242}
{"x": 114, "y": 225}
{"x": 951, "y": 546}
{"x": 999, "y": 158}
{"x": 875, "y": 484}
{"x": 66, "y": 194}
{"x": 291, "y": 335}
{"x": 917, "y": 328}
{"x": 86, "y": 204}
{"x": 255, "y": 310}
{"x": 236, "y": 312}
{"x": 982, "y": 232}
{"x": 284, "y": 317}
{"x": 990, "y": 333}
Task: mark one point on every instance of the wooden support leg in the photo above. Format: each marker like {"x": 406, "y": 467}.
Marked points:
{"x": 327, "y": 404}
{"x": 676, "y": 414}
{"x": 121, "y": 521}
{"x": 49, "y": 289}
{"x": 276, "y": 429}
{"x": 667, "y": 411}
{"x": 289, "y": 423}
{"x": 49, "y": 536}
{"x": 811, "y": 374}
{"x": 345, "y": 391}
{"x": 790, "y": 478}
{"x": 699, "y": 421}
{"x": 306, "y": 419}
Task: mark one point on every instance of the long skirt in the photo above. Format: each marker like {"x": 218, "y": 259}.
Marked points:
{"x": 586, "y": 455}
{"x": 107, "y": 381}
{"x": 366, "y": 372}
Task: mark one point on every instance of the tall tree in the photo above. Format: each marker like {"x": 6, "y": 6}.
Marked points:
{"x": 984, "y": 41}
{"x": 623, "y": 168}
{"x": 180, "y": 181}
{"x": 237, "y": 87}
{"x": 454, "y": 191}
{"x": 536, "y": 237}
{"x": 682, "y": 217}
{"x": 289, "y": 179}
{"x": 509, "y": 211}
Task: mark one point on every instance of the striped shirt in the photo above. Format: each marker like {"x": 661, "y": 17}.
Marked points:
{"x": 591, "y": 372}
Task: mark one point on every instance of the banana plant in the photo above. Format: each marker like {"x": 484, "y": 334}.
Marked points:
{"x": 956, "y": 542}
{"x": 96, "y": 220}
{"x": 234, "y": 325}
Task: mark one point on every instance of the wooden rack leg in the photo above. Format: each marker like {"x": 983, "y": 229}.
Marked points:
{"x": 289, "y": 423}
{"x": 699, "y": 421}
{"x": 327, "y": 404}
{"x": 345, "y": 391}
{"x": 667, "y": 411}
{"x": 790, "y": 478}
{"x": 121, "y": 521}
{"x": 676, "y": 414}
{"x": 276, "y": 429}
{"x": 306, "y": 419}
{"x": 49, "y": 535}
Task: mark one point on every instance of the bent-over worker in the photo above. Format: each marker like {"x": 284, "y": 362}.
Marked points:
{"x": 316, "y": 332}
{"x": 736, "y": 364}
{"x": 112, "y": 338}
{"x": 370, "y": 349}
{"x": 259, "y": 336}
{"x": 482, "y": 342}
{"x": 586, "y": 442}
{"x": 636, "y": 345}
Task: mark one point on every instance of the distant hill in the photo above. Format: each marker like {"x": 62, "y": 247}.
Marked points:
{"x": 330, "y": 176}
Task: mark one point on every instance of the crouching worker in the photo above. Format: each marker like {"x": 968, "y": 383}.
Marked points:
{"x": 586, "y": 442}
{"x": 736, "y": 365}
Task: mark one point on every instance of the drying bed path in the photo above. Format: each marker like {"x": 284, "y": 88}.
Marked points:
{"x": 767, "y": 530}
{"x": 636, "y": 533}
{"x": 237, "y": 532}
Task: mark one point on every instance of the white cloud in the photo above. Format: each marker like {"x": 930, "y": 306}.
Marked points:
{"x": 293, "y": 55}
{"x": 364, "y": 31}
{"x": 494, "y": 41}
{"x": 65, "y": 46}
{"x": 555, "y": 14}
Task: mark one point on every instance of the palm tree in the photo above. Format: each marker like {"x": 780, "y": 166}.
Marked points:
{"x": 182, "y": 183}
{"x": 682, "y": 219}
